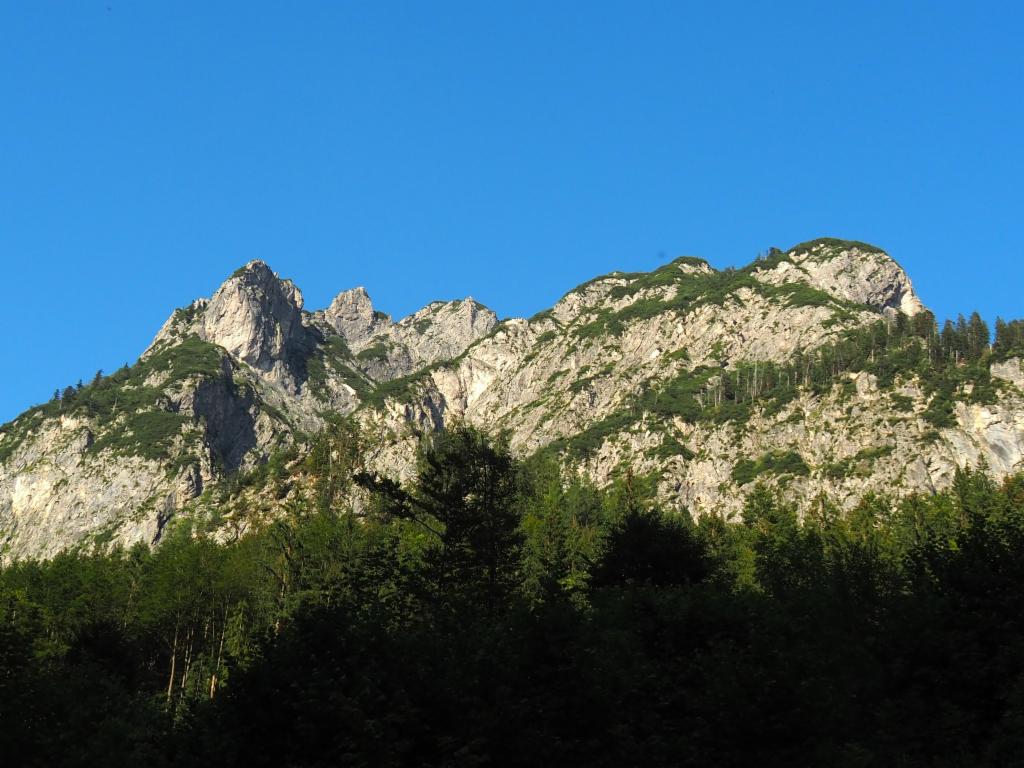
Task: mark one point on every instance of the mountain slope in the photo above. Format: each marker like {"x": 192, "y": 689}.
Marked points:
{"x": 812, "y": 368}
{"x": 225, "y": 383}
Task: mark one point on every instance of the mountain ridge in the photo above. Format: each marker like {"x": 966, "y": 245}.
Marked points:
{"x": 640, "y": 372}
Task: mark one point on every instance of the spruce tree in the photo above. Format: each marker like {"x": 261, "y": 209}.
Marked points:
{"x": 948, "y": 342}
{"x": 978, "y": 336}
{"x": 1001, "y": 329}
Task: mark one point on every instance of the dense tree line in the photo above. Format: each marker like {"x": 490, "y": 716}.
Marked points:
{"x": 943, "y": 361}
{"x": 1009, "y": 338}
{"x": 500, "y": 612}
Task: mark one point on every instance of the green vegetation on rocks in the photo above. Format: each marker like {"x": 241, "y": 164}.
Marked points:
{"x": 334, "y": 356}
{"x": 858, "y": 465}
{"x": 377, "y": 351}
{"x": 835, "y": 246}
{"x": 1009, "y": 340}
{"x": 682, "y": 291}
{"x": 402, "y": 388}
{"x": 124, "y": 409}
{"x": 949, "y": 366}
{"x": 775, "y": 463}
{"x": 148, "y": 434}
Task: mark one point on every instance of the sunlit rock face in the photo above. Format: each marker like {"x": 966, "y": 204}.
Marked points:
{"x": 388, "y": 349}
{"x": 854, "y": 272}
{"x": 352, "y": 315}
{"x": 257, "y": 318}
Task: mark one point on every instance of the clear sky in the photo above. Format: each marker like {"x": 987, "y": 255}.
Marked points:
{"x": 506, "y": 151}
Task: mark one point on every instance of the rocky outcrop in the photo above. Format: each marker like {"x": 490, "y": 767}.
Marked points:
{"x": 278, "y": 371}
{"x": 56, "y": 494}
{"x": 257, "y": 318}
{"x": 386, "y": 350}
{"x": 228, "y": 417}
{"x": 853, "y": 272}
{"x": 553, "y": 377}
{"x": 442, "y": 330}
{"x": 1010, "y": 371}
{"x": 352, "y": 316}
{"x": 84, "y": 480}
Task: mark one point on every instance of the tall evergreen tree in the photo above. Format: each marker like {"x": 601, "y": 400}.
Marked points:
{"x": 949, "y": 342}
{"x": 978, "y": 336}
{"x": 466, "y": 494}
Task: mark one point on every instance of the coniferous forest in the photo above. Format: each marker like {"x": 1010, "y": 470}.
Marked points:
{"x": 502, "y": 612}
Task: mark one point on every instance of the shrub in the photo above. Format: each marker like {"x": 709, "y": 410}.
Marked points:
{"x": 858, "y": 465}
{"x": 776, "y": 463}
{"x": 376, "y": 351}
{"x": 670, "y": 446}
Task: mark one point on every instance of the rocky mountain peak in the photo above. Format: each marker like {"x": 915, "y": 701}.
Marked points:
{"x": 693, "y": 266}
{"x": 257, "y": 317}
{"x": 440, "y": 331}
{"x": 849, "y": 270}
{"x": 444, "y": 329}
{"x": 352, "y": 315}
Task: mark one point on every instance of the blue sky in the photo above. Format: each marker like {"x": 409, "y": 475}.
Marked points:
{"x": 503, "y": 150}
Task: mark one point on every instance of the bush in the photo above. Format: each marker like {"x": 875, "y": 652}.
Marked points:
{"x": 376, "y": 351}
{"x": 774, "y": 463}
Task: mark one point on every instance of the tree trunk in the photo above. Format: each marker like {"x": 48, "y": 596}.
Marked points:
{"x": 174, "y": 660}
{"x": 220, "y": 654}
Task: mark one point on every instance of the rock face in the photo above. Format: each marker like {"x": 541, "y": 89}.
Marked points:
{"x": 854, "y": 272}
{"x": 1011, "y": 371}
{"x": 352, "y": 315}
{"x": 387, "y": 350}
{"x": 616, "y": 375}
{"x": 257, "y": 318}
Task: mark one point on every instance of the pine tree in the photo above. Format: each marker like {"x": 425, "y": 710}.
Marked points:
{"x": 948, "y": 342}
{"x": 1009, "y": 337}
{"x": 961, "y": 337}
{"x": 978, "y": 336}
{"x": 466, "y": 495}
{"x": 1001, "y": 337}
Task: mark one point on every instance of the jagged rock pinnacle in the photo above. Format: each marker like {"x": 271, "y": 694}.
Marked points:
{"x": 352, "y": 315}
{"x": 257, "y": 317}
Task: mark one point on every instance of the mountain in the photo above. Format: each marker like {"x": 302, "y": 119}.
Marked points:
{"x": 815, "y": 369}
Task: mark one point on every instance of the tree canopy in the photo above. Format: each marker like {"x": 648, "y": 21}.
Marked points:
{"x": 495, "y": 611}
